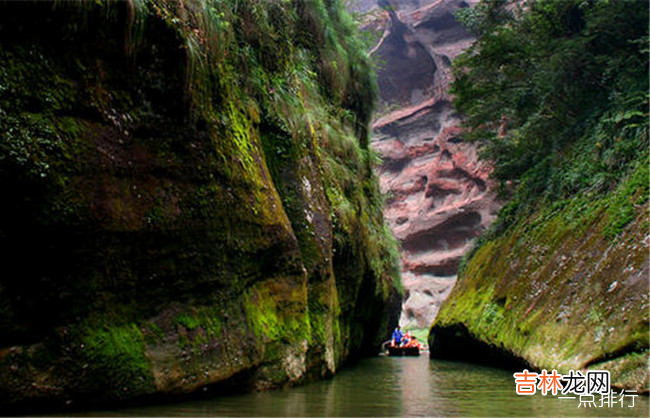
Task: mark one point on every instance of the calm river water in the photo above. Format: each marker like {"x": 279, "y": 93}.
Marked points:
{"x": 386, "y": 386}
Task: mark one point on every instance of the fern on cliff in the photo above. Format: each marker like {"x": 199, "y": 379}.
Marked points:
{"x": 557, "y": 93}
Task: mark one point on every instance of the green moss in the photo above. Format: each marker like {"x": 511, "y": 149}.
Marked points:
{"x": 275, "y": 311}
{"x": 200, "y": 325}
{"x": 188, "y": 322}
{"x": 550, "y": 289}
{"x": 152, "y": 333}
{"x": 116, "y": 358}
{"x": 189, "y": 152}
{"x": 628, "y": 370}
{"x": 263, "y": 320}
{"x": 203, "y": 321}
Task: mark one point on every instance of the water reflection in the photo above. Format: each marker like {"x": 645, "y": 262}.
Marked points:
{"x": 393, "y": 387}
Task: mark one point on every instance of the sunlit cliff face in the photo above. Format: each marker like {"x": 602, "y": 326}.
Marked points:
{"x": 439, "y": 197}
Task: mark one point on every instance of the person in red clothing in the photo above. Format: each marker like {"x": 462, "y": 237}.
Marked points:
{"x": 413, "y": 342}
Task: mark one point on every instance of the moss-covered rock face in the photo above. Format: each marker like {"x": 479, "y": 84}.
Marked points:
{"x": 565, "y": 289}
{"x": 188, "y": 198}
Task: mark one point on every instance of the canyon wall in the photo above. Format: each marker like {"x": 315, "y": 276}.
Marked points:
{"x": 557, "y": 291}
{"x": 439, "y": 196}
{"x": 188, "y": 200}
{"x": 561, "y": 280}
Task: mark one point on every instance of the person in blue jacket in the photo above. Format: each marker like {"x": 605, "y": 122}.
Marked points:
{"x": 397, "y": 337}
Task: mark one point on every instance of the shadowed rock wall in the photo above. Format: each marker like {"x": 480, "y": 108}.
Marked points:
{"x": 188, "y": 200}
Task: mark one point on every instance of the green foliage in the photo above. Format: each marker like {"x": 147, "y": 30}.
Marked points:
{"x": 29, "y": 139}
{"x": 557, "y": 94}
{"x": 625, "y": 202}
{"x": 419, "y": 333}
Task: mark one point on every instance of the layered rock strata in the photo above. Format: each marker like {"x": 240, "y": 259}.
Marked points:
{"x": 439, "y": 193}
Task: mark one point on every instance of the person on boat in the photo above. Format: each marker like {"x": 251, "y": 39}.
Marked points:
{"x": 414, "y": 342}
{"x": 396, "y": 338}
{"x": 406, "y": 339}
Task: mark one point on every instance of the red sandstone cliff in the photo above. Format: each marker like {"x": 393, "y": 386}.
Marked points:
{"x": 439, "y": 195}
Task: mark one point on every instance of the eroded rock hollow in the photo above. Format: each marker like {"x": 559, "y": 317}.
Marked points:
{"x": 439, "y": 194}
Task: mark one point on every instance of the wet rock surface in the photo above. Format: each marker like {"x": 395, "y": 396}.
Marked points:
{"x": 186, "y": 210}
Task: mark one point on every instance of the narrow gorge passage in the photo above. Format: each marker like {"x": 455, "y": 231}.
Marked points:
{"x": 226, "y": 207}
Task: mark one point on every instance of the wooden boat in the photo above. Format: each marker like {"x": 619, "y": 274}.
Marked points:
{"x": 403, "y": 351}
{"x": 400, "y": 351}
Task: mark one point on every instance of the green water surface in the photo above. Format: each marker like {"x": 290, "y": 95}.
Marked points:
{"x": 386, "y": 386}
